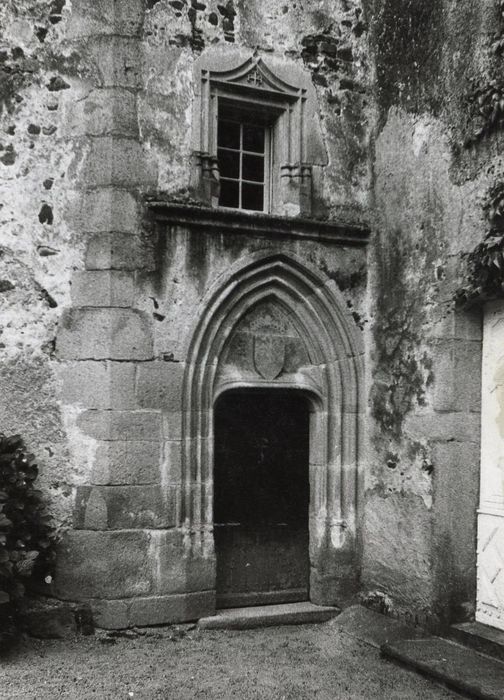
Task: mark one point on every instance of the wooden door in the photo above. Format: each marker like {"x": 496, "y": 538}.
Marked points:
{"x": 261, "y": 498}
{"x": 490, "y": 595}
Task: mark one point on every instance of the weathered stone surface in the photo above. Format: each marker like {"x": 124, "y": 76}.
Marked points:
{"x": 159, "y": 385}
{"x": 455, "y": 503}
{"x": 117, "y": 251}
{"x": 464, "y": 427}
{"x": 125, "y": 507}
{"x": 152, "y": 610}
{"x": 117, "y": 60}
{"x": 178, "y": 570}
{"x": 91, "y": 18}
{"x": 268, "y": 616}
{"x": 116, "y": 334}
{"x": 111, "y": 614}
{"x": 103, "y": 211}
{"x": 127, "y": 462}
{"x": 457, "y": 381}
{"x": 103, "y": 112}
{"x": 171, "y": 464}
{"x": 172, "y": 425}
{"x": 175, "y": 608}
{"x": 103, "y": 288}
{"x": 119, "y": 162}
{"x": 385, "y": 556}
{"x": 121, "y": 425}
{"x": 46, "y": 618}
{"x": 103, "y": 565}
{"x": 98, "y": 384}
{"x": 475, "y": 675}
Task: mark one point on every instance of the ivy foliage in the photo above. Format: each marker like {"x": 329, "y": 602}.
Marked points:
{"x": 487, "y": 107}
{"x": 486, "y": 98}
{"x": 485, "y": 264}
{"x": 27, "y": 539}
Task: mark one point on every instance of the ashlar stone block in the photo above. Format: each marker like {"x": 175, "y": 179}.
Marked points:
{"x": 103, "y": 288}
{"x": 117, "y": 59}
{"x": 118, "y": 251}
{"x": 457, "y": 375}
{"x": 177, "y": 570}
{"x": 120, "y": 162}
{"x": 108, "y": 333}
{"x": 103, "y": 112}
{"x": 159, "y": 385}
{"x": 127, "y": 462}
{"x": 94, "y": 564}
{"x": 98, "y": 384}
{"x": 121, "y": 425}
{"x": 104, "y": 210}
{"x": 125, "y": 507}
{"x": 157, "y": 610}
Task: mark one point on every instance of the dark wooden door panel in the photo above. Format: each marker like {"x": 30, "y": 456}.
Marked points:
{"x": 261, "y": 498}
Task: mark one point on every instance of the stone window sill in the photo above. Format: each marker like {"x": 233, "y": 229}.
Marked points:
{"x": 258, "y": 224}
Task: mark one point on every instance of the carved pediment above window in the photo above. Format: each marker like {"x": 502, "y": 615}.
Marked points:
{"x": 254, "y": 74}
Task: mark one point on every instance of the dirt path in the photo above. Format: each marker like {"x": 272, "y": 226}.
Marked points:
{"x": 179, "y": 663}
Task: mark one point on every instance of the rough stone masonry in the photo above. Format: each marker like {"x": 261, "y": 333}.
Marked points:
{"x": 128, "y": 302}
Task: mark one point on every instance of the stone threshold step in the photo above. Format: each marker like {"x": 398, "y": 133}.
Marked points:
{"x": 462, "y": 669}
{"x": 268, "y": 616}
{"x": 480, "y": 637}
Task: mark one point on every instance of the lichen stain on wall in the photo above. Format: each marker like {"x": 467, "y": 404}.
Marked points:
{"x": 428, "y": 213}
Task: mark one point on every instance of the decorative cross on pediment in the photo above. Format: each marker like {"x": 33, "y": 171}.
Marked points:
{"x": 255, "y": 78}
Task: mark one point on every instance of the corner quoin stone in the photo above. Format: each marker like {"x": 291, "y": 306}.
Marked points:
{"x": 102, "y": 334}
{"x": 125, "y": 507}
{"x": 118, "y": 251}
{"x": 121, "y": 425}
{"x": 126, "y": 462}
{"x": 94, "y": 564}
{"x": 104, "y": 210}
{"x": 103, "y": 288}
{"x": 98, "y": 384}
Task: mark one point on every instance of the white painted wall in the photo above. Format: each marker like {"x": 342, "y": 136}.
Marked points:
{"x": 490, "y": 595}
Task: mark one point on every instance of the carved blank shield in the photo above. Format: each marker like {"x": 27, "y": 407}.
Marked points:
{"x": 269, "y": 355}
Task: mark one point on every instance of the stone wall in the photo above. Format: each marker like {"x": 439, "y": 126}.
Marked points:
{"x": 96, "y": 111}
{"x": 430, "y": 180}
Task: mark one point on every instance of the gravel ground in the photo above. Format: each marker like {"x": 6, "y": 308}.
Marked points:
{"x": 180, "y": 663}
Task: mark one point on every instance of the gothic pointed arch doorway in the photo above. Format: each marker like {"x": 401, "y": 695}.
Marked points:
{"x": 277, "y": 325}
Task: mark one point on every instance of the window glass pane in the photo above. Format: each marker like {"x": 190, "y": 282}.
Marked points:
{"x": 252, "y": 197}
{"x": 253, "y": 168}
{"x": 228, "y": 134}
{"x": 253, "y": 138}
{"x": 229, "y": 163}
{"x": 229, "y": 194}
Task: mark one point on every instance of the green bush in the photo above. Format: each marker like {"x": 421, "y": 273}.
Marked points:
{"x": 26, "y": 536}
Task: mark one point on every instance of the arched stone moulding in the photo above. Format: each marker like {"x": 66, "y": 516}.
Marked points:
{"x": 333, "y": 384}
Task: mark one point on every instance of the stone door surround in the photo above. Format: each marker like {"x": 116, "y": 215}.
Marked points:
{"x": 333, "y": 383}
